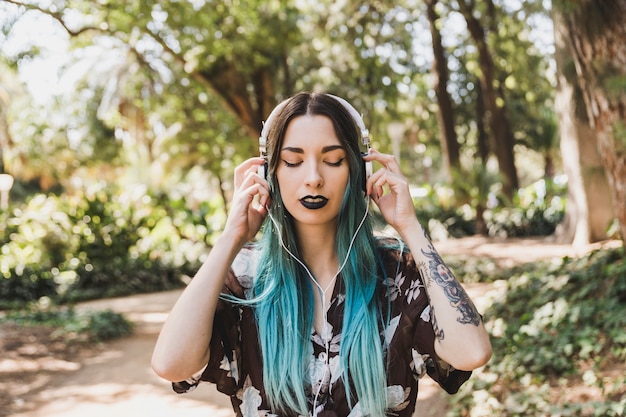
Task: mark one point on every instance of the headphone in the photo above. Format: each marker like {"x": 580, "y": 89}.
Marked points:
{"x": 366, "y": 167}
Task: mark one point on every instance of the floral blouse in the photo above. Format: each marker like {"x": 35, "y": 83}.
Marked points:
{"x": 235, "y": 363}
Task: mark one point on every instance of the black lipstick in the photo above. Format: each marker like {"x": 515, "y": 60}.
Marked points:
{"x": 314, "y": 202}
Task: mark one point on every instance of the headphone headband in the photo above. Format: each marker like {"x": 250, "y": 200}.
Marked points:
{"x": 365, "y": 133}
{"x": 268, "y": 123}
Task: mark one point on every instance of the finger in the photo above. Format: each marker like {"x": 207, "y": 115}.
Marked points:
{"x": 257, "y": 190}
{"x": 370, "y": 185}
{"x": 397, "y": 184}
{"x": 251, "y": 178}
{"x": 248, "y": 166}
{"x": 387, "y": 160}
{"x": 246, "y": 169}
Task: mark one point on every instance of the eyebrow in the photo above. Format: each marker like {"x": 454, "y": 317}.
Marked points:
{"x": 325, "y": 149}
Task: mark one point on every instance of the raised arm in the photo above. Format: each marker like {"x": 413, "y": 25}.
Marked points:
{"x": 461, "y": 339}
{"x": 182, "y": 348}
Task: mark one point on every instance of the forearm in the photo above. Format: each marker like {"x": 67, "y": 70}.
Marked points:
{"x": 183, "y": 344}
{"x": 461, "y": 338}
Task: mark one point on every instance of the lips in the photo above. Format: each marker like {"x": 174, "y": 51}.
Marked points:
{"x": 313, "y": 202}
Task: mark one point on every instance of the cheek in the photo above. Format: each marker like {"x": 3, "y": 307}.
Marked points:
{"x": 283, "y": 180}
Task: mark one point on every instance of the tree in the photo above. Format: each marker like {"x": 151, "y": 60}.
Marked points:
{"x": 495, "y": 102}
{"x": 445, "y": 113}
{"x": 5, "y": 100}
{"x": 210, "y": 72}
{"x": 596, "y": 31}
{"x": 589, "y": 204}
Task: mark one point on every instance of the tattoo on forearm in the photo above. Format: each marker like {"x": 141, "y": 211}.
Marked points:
{"x": 433, "y": 319}
{"x": 437, "y": 271}
{"x": 423, "y": 268}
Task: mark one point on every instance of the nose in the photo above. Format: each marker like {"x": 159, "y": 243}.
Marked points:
{"x": 314, "y": 177}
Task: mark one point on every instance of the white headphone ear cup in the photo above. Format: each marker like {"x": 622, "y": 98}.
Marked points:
{"x": 369, "y": 170}
{"x": 366, "y": 172}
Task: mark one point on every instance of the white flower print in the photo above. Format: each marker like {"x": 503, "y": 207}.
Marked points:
{"x": 322, "y": 373}
{"x": 397, "y": 397}
{"x": 340, "y": 299}
{"x": 335, "y": 368}
{"x": 225, "y": 363}
{"x": 426, "y": 314}
{"x": 251, "y": 402}
{"x": 230, "y": 367}
{"x": 356, "y": 411}
{"x": 418, "y": 364}
{"x": 390, "y": 331}
{"x": 318, "y": 373}
{"x": 245, "y": 267}
{"x": 327, "y": 332}
{"x": 413, "y": 291}
{"x": 396, "y": 400}
{"x": 327, "y": 336}
{"x": 395, "y": 286}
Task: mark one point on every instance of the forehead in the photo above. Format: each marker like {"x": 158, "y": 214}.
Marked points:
{"x": 310, "y": 131}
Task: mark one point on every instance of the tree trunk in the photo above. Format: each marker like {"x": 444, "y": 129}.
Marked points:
{"x": 445, "y": 115}
{"x": 495, "y": 103}
{"x": 589, "y": 206}
{"x": 596, "y": 33}
{"x": 482, "y": 140}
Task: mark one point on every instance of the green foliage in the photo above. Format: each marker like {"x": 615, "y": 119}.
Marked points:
{"x": 90, "y": 326}
{"x": 441, "y": 216}
{"x": 98, "y": 244}
{"x": 183, "y": 84}
{"x": 537, "y": 210}
{"x": 552, "y": 324}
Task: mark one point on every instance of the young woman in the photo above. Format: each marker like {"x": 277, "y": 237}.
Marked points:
{"x": 319, "y": 317}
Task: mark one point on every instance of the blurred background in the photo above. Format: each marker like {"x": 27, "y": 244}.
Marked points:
{"x": 121, "y": 123}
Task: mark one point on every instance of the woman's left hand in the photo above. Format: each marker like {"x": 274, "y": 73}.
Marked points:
{"x": 389, "y": 189}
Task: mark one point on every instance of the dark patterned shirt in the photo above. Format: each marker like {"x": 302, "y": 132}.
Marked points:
{"x": 235, "y": 363}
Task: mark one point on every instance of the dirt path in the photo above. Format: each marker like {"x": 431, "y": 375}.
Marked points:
{"x": 116, "y": 379}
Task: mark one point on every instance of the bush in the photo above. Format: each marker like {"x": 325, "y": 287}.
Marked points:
{"x": 92, "y": 326}
{"x": 441, "y": 216}
{"x": 102, "y": 243}
{"x": 549, "y": 330}
{"x": 537, "y": 210}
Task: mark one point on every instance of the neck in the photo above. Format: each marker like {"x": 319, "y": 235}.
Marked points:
{"x": 317, "y": 248}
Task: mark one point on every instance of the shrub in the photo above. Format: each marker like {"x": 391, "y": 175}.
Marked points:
{"x": 548, "y": 329}
{"x": 101, "y": 243}
{"x": 536, "y": 211}
{"x": 91, "y": 326}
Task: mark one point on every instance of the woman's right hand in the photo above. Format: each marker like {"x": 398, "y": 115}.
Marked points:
{"x": 183, "y": 346}
{"x": 246, "y": 215}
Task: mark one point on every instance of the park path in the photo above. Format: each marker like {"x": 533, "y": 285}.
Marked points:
{"x": 116, "y": 380}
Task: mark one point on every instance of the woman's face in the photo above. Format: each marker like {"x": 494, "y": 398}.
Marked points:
{"x": 313, "y": 170}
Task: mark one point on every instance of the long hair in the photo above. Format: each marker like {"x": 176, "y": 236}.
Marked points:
{"x": 283, "y": 293}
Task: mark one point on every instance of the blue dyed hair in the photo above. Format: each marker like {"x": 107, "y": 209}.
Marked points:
{"x": 284, "y": 294}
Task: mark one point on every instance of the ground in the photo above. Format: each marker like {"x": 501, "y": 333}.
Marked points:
{"x": 39, "y": 376}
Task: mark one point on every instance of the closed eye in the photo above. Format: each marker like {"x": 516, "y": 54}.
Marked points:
{"x": 336, "y": 164}
{"x": 291, "y": 164}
